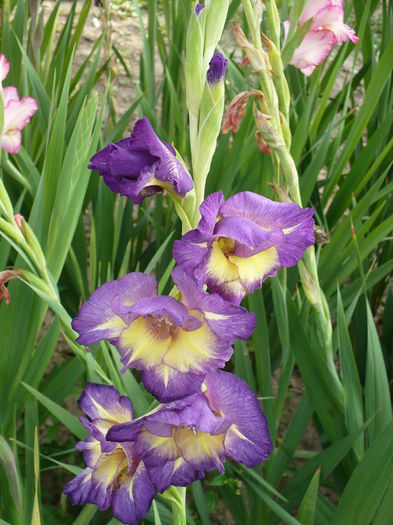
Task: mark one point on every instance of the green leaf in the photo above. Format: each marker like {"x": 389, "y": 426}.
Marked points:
{"x": 376, "y": 391}
{"x": 65, "y": 417}
{"x": 353, "y": 406}
{"x": 365, "y": 490}
{"x": 87, "y": 514}
{"x": 306, "y": 512}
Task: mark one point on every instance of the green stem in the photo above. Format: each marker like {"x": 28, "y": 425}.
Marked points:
{"x": 308, "y": 267}
{"x": 176, "y": 496}
{"x": 179, "y": 508}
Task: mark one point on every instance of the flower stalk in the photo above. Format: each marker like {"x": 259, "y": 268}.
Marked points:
{"x": 273, "y": 131}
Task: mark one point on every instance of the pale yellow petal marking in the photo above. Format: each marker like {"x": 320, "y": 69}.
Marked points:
{"x": 196, "y": 445}
{"x": 115, "y": 324}
{"x": 189, "y": 350}
{"x": 254, "y": 268}
{"x": 219, "y": 267}
{"x": 166, "y": 445}
{"x": 140, "y": 339}
{"x": 233, "y": 428}
{"x": 216, "y": 317}
{"x": 108, "y": 466}
{"x": 115, "y": 416}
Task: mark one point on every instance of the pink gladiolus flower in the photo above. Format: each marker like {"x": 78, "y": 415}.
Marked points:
{"x": 17, "y": 112}
{"x": 327, "y": 29}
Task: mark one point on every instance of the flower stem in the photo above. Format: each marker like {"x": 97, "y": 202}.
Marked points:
{"x": 176, "y": 496}
{"x": 307, "y": 267}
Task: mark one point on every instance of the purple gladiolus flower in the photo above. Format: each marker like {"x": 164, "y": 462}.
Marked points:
{"x": 142, "y": 165}
{"x": 242, "y": 241}
{"x": 173, "y": 342}
{"x": 115, "y": 475}
{"x": 182, "y": 440}
{"x": 217, "y": 69}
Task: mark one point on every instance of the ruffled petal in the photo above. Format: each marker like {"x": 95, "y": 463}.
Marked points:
{"x": 247, "y": 439}
{"x": 313, "y": 50}
{"x": 103, "y": 477}
{"x": 105, "y": 402}
{"x": 227, "y": 321}
{"x": 264, "y": 212}
{"x": 132, "y": 498}
{"x": 101, "y": 316}
{"x": 78, "y": 489}
{"x": 10, "y": 94}
{"x": 312, "y": 7}
{"x": 332, "y": 18}
{"x": 11, "y": 141}
{"x": 17, "y": 113}
{"x": 167, "y": 384}
{"x": 4, "y": 67}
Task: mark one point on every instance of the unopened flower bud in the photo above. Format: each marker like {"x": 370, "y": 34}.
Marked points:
{"x": 270, "y": 136}
{"x": 210, "y": 118}
{"x": 274, "y": 56}
{"x": 216, "y": 75}
{"x": 195, "y": 68}
{"x": 257, "y": 58}
{"x": 18, "y": 218}
{"x": 216, "y": 14}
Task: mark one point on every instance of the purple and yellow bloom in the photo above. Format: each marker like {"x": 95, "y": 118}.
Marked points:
{"x": 141, "y": 165}
{"x": 180, "y": 441}
{"x": 115, "y": 474}
{"x": 242, "y": 241}
{"x": 173, "y": 342}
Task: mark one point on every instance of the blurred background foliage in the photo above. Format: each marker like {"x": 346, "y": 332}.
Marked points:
{"x": 333, "y": 457}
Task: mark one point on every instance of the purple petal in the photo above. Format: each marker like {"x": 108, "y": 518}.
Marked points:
{"x": 141, "y": 165}
{"x": 217, "y": 69}
{"x": 228, "y": 322}
{"x": 119, "y": 160}
{"x": 169, "y": 168}
{"x": 164, "y": 306}
{"x": 177, "y": 472}
{"x": 78, "y": 489}
{"x": 264, "y": 212}
{"x": 132, "y": 498}
{"x": 104, "y": 476}
{"x": 247, "y": 439}
{"x": 178, "y": 385}
{"x": 105, "y": 402}
{"x": 242, "y": 230}
{"x": 210, "y": 209}
{"x": 100, "y": 316}
{"x": 198, "y": 8}
{"x": 91, "y": 449}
